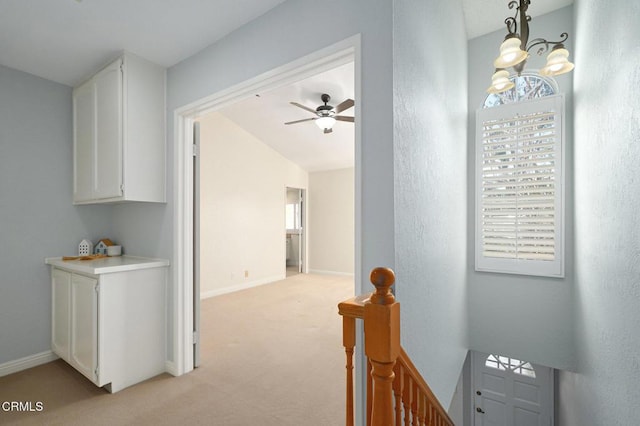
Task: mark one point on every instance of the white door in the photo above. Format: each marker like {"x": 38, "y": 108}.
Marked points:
{"x": 61, "y": 286}
{"x": 83, "y": 141}
{"x": 196, "y": 244}
{"x": 511, "y": 392}
{"x": 84, "y": 325}
{"x": 108, "y": 156}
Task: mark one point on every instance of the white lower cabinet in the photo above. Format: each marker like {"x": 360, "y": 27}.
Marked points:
{"x": 84, "y": 325}
{"x": 60, "y": 319}
{"x": 110, "y": 326}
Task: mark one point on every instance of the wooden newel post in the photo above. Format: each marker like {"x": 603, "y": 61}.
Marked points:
{"x": 382, "y": 344}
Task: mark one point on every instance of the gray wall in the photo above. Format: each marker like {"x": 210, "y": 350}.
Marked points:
{"x": 526, "y": 317}
{"x": 430, "y": 118}
{"x": 290, "y": 31}
{"x": 37, "y": 219}
{"x": 286, "y": 33}
{"x": 606, "y": 390}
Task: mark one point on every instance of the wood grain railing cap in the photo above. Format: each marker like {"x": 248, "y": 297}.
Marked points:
{"x": 382, "y": 279}
{"x": 354, "y": 307}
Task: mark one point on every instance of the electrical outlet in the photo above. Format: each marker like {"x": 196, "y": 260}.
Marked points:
{"x": 246, "y": 274}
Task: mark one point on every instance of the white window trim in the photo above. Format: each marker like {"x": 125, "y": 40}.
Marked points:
{"x": 553, "y": 268}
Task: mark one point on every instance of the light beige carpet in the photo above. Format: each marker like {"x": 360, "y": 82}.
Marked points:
{"x": 271, "y": 355}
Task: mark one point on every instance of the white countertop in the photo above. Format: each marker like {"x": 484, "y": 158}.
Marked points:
{"x": 106, "y": 265}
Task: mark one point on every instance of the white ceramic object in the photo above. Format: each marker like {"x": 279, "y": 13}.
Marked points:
{"x": 114, "y": 250}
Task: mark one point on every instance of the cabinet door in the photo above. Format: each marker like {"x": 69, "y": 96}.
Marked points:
{"x": 61, "y": 284}
{"x": 108, "y": 157}
{"x": 84, "y": 325}
{"x": 83, "y": 141}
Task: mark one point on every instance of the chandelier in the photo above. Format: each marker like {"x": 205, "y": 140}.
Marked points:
{"x": 515, "y": 48}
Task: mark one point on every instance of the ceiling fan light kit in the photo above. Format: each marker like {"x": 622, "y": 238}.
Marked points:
{"x": 514, "y": 50}
{"x": 326, "y": 122}
{"x": 326, "y": 115}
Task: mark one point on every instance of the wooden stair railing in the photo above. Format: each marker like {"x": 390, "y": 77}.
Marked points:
{"x": 396, "y": 392}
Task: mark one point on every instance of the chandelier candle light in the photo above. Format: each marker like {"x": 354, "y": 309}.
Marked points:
{"x": 514, "y": 51}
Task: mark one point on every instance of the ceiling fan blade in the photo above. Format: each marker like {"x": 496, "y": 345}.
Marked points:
{"x": 301, "y": 121}
{"x": 343, "y": 118}
{"x": 344, "y": 105}
{"x": 303, "y": 107}
{"x": 327, "y": 131}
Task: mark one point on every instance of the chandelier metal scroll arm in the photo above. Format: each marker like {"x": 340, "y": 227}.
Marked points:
{"x": 524, "y": 22}
{"x": 546, "y": 44}
{"x": 512, "y": 25}
{"x": 512, "y": 21}
{"x": 519, "y": 19}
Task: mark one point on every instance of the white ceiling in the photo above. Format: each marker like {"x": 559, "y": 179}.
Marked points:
{"x": 303, "y": 143}
{"x": 68, "y": 40}
{"x": 485, "y": 16}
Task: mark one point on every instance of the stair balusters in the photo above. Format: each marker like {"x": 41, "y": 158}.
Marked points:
{"x": 396, "y": 392}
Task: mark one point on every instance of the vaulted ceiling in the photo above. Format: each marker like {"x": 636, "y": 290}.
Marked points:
{"x": 303, "y": 143}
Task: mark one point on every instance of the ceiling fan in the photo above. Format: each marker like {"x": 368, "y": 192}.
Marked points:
{"x": 326, "y": 115}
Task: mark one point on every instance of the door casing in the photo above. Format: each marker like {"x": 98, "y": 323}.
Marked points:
{"x": 181, "y": 360}
{"x": 547, "y": 372}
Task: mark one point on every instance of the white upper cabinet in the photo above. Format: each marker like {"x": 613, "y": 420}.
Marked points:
{"x": 108, "y": 91}
{"x": 83, "y": 146}
{"x": 119, "y": 134}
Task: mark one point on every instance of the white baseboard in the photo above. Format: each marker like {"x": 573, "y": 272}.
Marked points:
{"x": 243, "y": 286}
{"x": 322, "y": 272}
{"x": 171, "y": 368}
{"x": 26, "y": 362}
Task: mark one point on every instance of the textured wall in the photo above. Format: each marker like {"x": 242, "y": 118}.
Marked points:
{"x": 37, "y": 219}
{"x": 289, "y": 32}
{"x": 282, "y": 35}
{"x": 430, "y": 113}
{"x": 526, "y": 317}
{"x": 605, "y": 390}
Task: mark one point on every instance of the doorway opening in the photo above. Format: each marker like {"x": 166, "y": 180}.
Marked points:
{"x": 295, "y": 209}
{"x": 184, "y": 321}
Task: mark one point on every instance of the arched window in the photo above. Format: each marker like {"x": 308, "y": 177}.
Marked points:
{"x": 503, "y": 363}
{"x": 527, "y": 86}
{"x": 520, "y": 179}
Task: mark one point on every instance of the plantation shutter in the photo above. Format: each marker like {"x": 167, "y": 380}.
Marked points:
{"x": 519, "y": 188}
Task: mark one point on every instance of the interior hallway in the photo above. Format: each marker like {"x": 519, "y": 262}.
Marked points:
{"x": 271, "y": 355}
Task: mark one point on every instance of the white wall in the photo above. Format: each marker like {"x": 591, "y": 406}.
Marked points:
{"x": 37, "y": 218}
{"x": 242, "y": 207}
{"x": 331, "y": 221}
{"x": 605, "y": 389}
{"x": 430, "y": 113}
{"x": 526, "y": 317}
